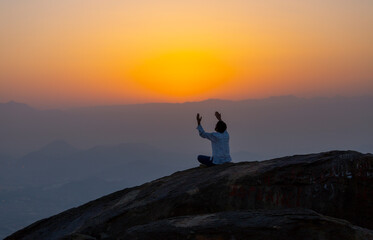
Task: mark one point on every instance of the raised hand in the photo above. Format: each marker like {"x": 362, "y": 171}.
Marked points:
{"x": 218, "y": 116}
{"x": 199, "y": 119}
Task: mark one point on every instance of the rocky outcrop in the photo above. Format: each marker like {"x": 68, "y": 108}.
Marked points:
{"x": 336, "y": 184}
{"x": 277, "y": 224}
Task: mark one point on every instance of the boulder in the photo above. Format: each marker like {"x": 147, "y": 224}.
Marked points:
{"x": 279, "y": 224}
{"x": 337, "y": 184}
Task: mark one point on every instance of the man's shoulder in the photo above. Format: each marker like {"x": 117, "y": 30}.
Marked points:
{"x": 221, "y": 135}
{"x": 225, "y": 133}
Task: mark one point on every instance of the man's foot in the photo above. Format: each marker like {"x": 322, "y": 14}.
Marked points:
{"x": 202, "y": 165}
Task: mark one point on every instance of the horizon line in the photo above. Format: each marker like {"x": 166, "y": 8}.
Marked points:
{"x": 186, "y": 102}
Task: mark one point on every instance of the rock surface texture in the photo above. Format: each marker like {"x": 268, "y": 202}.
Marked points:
{"x": 297, "y": 197}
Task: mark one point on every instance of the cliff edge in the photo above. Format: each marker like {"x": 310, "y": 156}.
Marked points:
{"x": 316, "y": 196}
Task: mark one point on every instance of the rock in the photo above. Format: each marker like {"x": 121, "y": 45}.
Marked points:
{"x": 77, "y": 236}
{"x": 337, "y": 184}
{"x": 280, "y": 224}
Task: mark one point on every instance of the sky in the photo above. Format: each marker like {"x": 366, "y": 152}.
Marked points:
{"x": 79, "y": 53}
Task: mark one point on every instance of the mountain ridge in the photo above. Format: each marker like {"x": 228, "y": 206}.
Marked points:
{"x": 14, "y": 104}
{"x": 269, "y": 128}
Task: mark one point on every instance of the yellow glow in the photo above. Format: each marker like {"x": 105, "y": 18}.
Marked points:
{"x": 182, "y": 72}
{"x": 75, "y": 53}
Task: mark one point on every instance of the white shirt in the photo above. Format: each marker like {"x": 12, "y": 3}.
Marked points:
{"x": 219, "y": 144}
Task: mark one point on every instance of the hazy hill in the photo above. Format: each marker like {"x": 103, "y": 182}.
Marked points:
{"x": 266, "y": 127}
{"x": 59, "y": 162}
{"x": 15, "y": 108}
{"x": 57, "y": 148}
{"x": 5, "y": 160}
{"x": 59, "y": 176}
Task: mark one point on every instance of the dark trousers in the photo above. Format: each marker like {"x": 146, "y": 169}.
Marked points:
{"x": 207, "y": 160}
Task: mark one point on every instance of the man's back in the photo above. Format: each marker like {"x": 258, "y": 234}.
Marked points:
{"x": 220, "y": 148}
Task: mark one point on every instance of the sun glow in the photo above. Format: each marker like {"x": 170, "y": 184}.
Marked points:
{"x": 182, "y": 72}
{"x": 78, "y": 53}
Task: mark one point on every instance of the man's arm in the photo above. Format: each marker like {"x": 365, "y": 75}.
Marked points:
{"x": 202, "y": 132}
{"x": 218, "y": 116}
{"x": 199, "y": 119}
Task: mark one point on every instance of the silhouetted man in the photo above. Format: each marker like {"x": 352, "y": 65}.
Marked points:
{"x": 219, "y": 143}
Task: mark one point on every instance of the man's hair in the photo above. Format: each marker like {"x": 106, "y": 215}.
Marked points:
{"x": 220, "y": 127}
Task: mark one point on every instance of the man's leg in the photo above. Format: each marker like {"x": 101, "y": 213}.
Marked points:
{"x": 205, "y": 160}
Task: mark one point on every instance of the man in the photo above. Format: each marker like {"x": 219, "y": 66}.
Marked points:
{"x": 219, "y": 143}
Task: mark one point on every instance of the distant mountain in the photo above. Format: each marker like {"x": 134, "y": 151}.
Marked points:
{"x": 6, "y": 163}
{"x": 59, "y": 162}
{"x": 15, "y": 107}
{"x": 58, "y": 147}
{"x": 59, "y": 176}
{"x": 268, "y": 127}
{"x": 45, "y": 161}
{"x": 5, "y": 159}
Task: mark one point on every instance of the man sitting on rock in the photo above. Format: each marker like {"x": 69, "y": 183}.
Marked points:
{"x": 219, "y": 143}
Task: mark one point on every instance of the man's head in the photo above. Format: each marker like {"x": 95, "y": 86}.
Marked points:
{"x": 220, "y": 126}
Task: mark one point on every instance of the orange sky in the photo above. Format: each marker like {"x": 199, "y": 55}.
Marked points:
{"x": 77, "y": 53}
